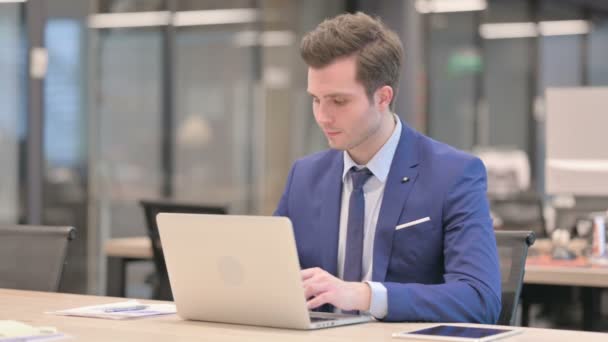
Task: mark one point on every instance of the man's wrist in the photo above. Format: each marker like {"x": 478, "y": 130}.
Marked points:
{"x": 365, "y": 296}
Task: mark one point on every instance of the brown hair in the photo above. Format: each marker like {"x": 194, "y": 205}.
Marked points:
{"x": 378, "y": 49}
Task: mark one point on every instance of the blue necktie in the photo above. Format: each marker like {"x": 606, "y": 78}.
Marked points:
{"x": 354, "y": 235}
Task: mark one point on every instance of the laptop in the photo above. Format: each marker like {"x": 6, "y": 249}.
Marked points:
{"x": 240, "y": 270}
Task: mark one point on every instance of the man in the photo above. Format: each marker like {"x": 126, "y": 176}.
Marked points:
{"x": 388, "y": 220}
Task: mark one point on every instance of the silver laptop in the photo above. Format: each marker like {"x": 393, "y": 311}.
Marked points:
{"x": 239, "y": 269}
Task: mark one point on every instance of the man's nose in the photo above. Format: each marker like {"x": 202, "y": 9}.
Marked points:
{"x": 323, "y": 115}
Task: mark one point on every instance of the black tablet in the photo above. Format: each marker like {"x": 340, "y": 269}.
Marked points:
{"x": 458, "y": 333}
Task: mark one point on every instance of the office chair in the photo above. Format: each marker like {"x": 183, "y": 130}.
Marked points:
{"x": 151, "y": 208}
{"x": 521, "y": 211}
{"x": 32, "y": 257}
{"x": 512, "y": 251}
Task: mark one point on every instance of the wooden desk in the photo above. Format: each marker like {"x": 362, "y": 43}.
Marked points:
{"x": 29, "y": 307}
{"x": 590, "y": 279}
{"x": 566, "y": 276}
{"x": 541, "y": 272}
{"x": 134, "y": 248}
{"x": 121, "y": 252}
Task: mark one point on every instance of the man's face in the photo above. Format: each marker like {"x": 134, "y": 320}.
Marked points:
{"x": 341, "y": 106}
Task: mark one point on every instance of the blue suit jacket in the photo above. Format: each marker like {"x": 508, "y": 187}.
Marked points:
{"x": 445, "y": 269}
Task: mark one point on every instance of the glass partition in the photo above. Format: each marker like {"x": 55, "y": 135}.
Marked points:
{"x": 12, "y": 109}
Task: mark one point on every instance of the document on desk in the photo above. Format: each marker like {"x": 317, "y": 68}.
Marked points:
{"x": 11, "y": 331}
{"x": 119, "y": 310}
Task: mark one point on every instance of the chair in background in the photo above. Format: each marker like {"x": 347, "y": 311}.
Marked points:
{"x": 151, "y": 209}
{"x": 512, "y": 250}
{"x": 32, "y": 257}
{"x": 521, "y": 211}
{"x": 514, "y": 204}
{"x": 508, "y": 170}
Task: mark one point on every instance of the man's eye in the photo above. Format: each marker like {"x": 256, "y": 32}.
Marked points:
{"x": 315, "y": 100}
{"x": 339, "y": 102}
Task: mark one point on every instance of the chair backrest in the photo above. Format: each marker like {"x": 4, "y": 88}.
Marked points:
{"x": 512, "y": 250}
{"x": 32, "y": 257}
{"x": 151, "y": 209}
{"x": 522, "y": 211}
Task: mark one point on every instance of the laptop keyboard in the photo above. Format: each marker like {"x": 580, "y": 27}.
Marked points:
{"x": 314, "y": 319}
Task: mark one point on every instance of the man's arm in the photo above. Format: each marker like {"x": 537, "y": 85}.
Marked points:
{"x": 471, "y": 292}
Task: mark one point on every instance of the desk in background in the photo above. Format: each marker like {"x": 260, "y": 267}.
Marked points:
{"x": 591, "y": 279}
{"x": 543, "y": 271}
{"x": 29, "y": 307}
{"x": 120, "y": 253}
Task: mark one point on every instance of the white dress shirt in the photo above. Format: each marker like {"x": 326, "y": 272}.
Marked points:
{"x": 373, "y": 191}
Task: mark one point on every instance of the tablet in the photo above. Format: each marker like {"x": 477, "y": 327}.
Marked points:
{"x": 458, "y": 333}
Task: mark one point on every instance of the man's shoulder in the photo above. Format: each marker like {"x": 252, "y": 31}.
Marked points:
{"x": 440, "y": 151}
{"x": 442, "y": 167}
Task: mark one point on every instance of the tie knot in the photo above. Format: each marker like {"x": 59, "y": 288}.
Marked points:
{"x": 359, "y": 177}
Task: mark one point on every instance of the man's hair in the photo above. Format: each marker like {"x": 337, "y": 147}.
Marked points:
{"x": 378, "y": 49}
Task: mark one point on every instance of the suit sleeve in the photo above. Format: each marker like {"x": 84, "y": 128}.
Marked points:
{"x": 471, "y": 288}
{"x": 283, "y": 208}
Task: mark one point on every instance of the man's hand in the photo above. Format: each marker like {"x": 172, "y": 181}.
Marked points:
{"x": 321, "y": 288}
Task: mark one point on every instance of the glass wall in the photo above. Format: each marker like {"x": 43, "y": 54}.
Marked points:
{"x": 128, "y": 102}
{"x": 125, "y": 135}
{"x": 489, "y": 67}
{"x": 454, "y": 67}
{"x": 64, "y": 133}
{"x": 597, "y": 69}
{"x": 12, "y": 108}
{"x": 237, "y": 111}
{"x": 562, "y": 63}
{"x": 507, "y": 88}
{"x": 214, "y": 115}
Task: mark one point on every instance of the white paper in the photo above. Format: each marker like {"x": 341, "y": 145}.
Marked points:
{"x": 98, "y": 311}
{"x": 12, "y": 331}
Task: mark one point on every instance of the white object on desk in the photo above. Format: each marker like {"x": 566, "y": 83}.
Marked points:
{"x": 18, "y": 331}
{"x": 119, "y": 310}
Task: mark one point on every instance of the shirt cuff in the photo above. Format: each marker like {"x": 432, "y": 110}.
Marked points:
{"x": 378, "y": 306}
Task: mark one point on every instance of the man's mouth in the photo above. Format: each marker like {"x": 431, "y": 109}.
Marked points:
{"x": 331, "y": 133}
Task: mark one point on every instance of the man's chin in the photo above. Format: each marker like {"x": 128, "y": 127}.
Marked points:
{"x": 336, "y": 146}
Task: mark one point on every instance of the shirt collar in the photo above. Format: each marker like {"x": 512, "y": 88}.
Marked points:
{"x": 380, "y": 164}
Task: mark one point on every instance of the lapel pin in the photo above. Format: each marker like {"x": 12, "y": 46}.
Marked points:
{"x": 404, "y": 180}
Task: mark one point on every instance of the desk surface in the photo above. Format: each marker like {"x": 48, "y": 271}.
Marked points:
{"x": 139, "y": 248}
{"x": 29, "y": 307}
{"x": 566, "y": 275}
{"x": 134, "y": 247}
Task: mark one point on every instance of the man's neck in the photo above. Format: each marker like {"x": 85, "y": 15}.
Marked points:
{"x": 363, "y": 154}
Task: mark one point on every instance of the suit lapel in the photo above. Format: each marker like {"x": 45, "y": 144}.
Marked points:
{"x": 330, "y": 214}
{"x": 395, "y": 196}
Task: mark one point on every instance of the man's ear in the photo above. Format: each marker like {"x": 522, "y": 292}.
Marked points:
{"x": 383, "y": 97}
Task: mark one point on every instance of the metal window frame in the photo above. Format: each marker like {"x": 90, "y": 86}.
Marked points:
{"x": 36, "y": 16}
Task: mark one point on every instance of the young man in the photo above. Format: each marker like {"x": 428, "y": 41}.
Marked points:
{"x": 388, "y": 220}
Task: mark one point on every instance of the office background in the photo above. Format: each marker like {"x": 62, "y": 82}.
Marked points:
{"x": 205, "y": 101}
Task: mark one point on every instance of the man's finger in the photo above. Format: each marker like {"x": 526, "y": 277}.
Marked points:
{"x": 319, "y": 300}
{"x": 315, "y": 288}
{"x": 310, "y": 272}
